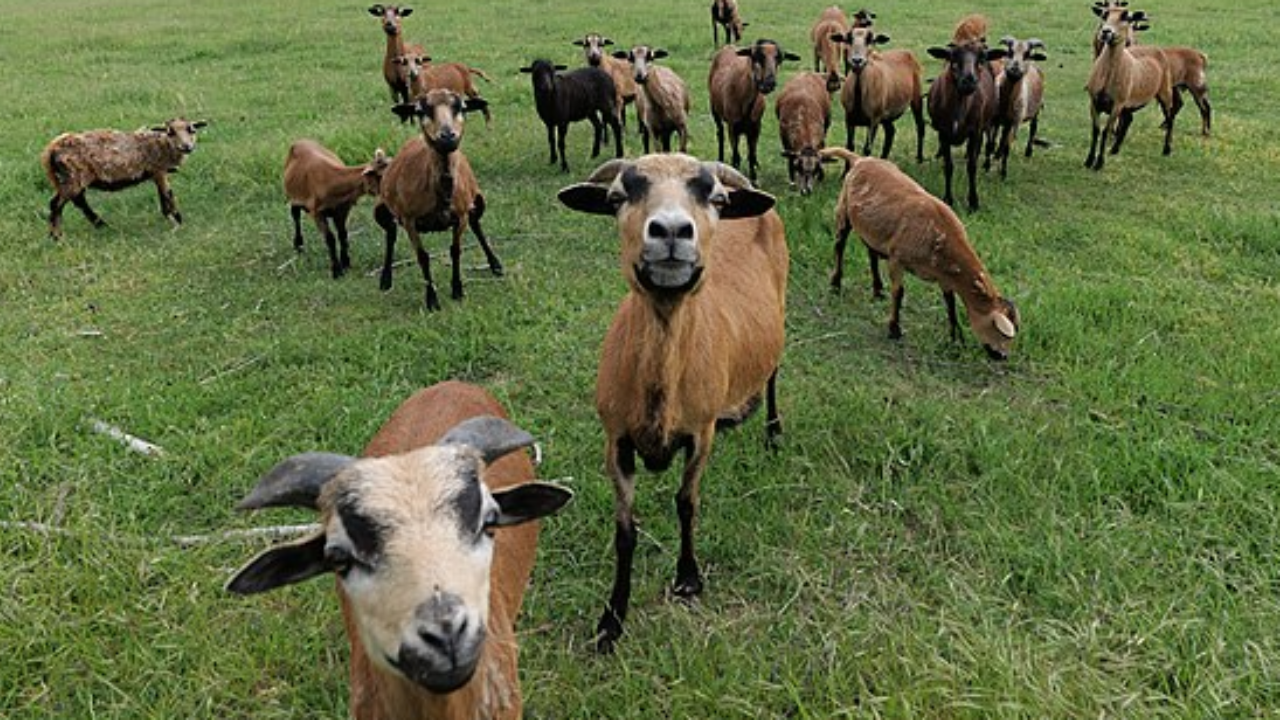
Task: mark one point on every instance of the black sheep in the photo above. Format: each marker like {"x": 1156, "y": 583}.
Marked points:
{"x": 583, "y": 94}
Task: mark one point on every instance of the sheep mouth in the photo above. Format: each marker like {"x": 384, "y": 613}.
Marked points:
{"x": 431, "y": 674}
{"x": 668, "y": 276}
{"x": 995, "y": 353}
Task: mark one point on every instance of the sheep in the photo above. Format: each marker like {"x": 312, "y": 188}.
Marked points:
{"x": 582, "y": 94}
{"x": 316, "y": 180}
{"x": 390, "y": 17}
{"x": 962, "y": 105}
{"x": 662, "y": 100}
{"x": 697, "y": 337}
{"x": 423, "y": 76}
{"x": 1123, "y": 81}
{"x": 113, "y": 160}
{"x": 1019, "y": 96}
{"x": 430, "y": 186}
{"x": 739, "y": 80}
{"x": 1187, "y": 65}
{"x": 827, "y": 52}
{"x": 432, "y": 536}
{"x": 593, "y": 45}
{"x": 864, "y": 18}
{"x": 725, "y": 13}
{"x": 899, "y": 221}
{"x": 971, "y": 28}
{"x": 880, "y": 87}
{"x": 804, "y": 113}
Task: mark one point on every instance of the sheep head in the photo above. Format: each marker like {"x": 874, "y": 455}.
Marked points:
{"x": 996, "y": 328}
{"x": 440, "y": 115}
{"x": 640, "y": 57}
{"x": 410, "y": 538}
{"x": 544, "y": 76}
{"x": 806, "y": 166}
{"x": 593, "y": 46}
{"x": 964, "y": 61}
{"x": 766, "y": 56}
{"x": 861, "y": 42}
{"x": 390, "y": 16}
{"x": 1119, "y": 24}
{"x": 373, "y": 171}
{"x": 667, "y": 207}
{"x": 181, "y": 132}
{"x": 864, "y": 18}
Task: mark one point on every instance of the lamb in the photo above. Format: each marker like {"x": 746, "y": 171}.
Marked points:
{"x": 739, "y": 80}
{"x": 962, "y": 104}
{"x": 582, "y": 94}
{"x": 662, "y": 102}
{"x": 804, "y": 113}
{"x": 899, "y": 221}
{"x": 593, "y": 45}
{"x": 725, "y": 13}
{"x": 1123, "y": 81}
{"x": 430, "y": 187}
{"x": 432, "y": 536}
{"x": 113, "y": 160}
{"x": 1019, "y": 96}
{"x": 694, "y": 341}
{"x": 316, "y": 180}
{"x": 880, "y": 87}
{"x": 424, "y": 76}
{"x": 391, "y": 16}
{"x": 827, "y": 52}
{"x": 1187, "y": 65}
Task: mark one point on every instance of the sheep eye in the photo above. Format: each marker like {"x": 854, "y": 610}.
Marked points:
{"x": 616, "y": 198}
{"x": 339, "y": 559}
{"x": 719, "y": 199}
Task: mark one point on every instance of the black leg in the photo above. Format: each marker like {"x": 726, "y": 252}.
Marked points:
{"x": 81, "y": 202}
{"x": 296, "y": 212}
{"x": 473, "y": 220}
{"x": 621, "y": 465}
{"x": 949, "y": 298}
{"x": 842, "y": 239}
{"x": 772, "y": 422}
{"x": 387, "y": 222}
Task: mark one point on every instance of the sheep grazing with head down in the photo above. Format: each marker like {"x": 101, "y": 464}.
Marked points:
{"x": 900, "y": 222}
{"x": 114, "y": 160}
{"x": 317, "y": 181}
{"x": 695, "y": 341}
{"x": 431, "y": 535}
{"x": 804, "y": 113}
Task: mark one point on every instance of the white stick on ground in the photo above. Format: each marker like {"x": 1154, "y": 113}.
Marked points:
{"x": 132, "y": 442}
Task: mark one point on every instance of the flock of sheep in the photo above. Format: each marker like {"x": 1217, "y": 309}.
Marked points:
{"x": 693, "y": 347}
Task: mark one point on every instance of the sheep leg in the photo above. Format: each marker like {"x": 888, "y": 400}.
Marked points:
{"x": 340, "y": 222}
{"x": 849, "y": 132}
{"x": 473, "y": 220}
{"x": 620, "y": 462}
{"x": 387, "y": 222}
{"x": 168, "y": 206}
{"x": 948, "y": 168}
{"x": 1122, "y": 130}
{"x": 561, "y": 132}
{"x": 684, "y": 138}
{"x": 753, "y": 139}
{"x": 972, "y": 148}
{"x": 1102, "y": 142}
{"x": 1093, "y": 143}
{"x": 432, "y": 301}
{"x": 889, "y": 132}
{"x": 918, "y": 115}
{"x": 296, "y": 212}
{"x": 873, "y": 264}
{"x": 597, "y": 135}
{"x": 615, "y": 125}
{"x": 322, "y": 224}
{"x": 82, "y": 202}
{"x": 949, "y": 298}
{"x": 551, "y": 143}
{"x": 896, "y": 291}
{"x": 455, "y": 257}
{"x": 719, "y": 135}
{"x": 871, "y": 138}
{"x": 644, "y": 137}
{"x": 1170, "y": 115}
{"x": 1201, "y": 96}
{"x": 688, "y": 583}
{"x": 55, "y": 216}
{"x": 1031, "y": 138}
{"x": 772, "y": 422}
{"x": 735, "y": 136}
{"x": 842, "y": 239}
{"x": 1006, "y": 142}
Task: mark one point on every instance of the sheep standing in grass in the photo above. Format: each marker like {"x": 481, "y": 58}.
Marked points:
{"x": 899, "y": 221}
{"x": 390, "y": 17}
{"x": 739, "y": 81}
{"x": 724, "y": 13}
{"x": 962, "y": 103}
{"x": 828, "y": 54}
{"x": 1123, "y": 81}
{"x": 620, "y": 70}
{"x": 879, "y": 89}
{"x": 1019, "y": 97}
{"x": 695, "y": 341}
{"x": 114, "y": 160}
{"x": 317, "y": 181}
{"x": 662, "y": 98}
{"x": 432, "y": 536}
{"x": 583, "y": 94}
{"x": 804, "y": 113}
{"x": 430, "y": 187}
{"x": 423, "y": 76}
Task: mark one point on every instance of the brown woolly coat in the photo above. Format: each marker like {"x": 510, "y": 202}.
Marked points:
{"x": 1123, "y": 78}
{"x": 734, "y": 97}
{"x": 662, "y": 103}
{"x": 431, "y": 191}
{"x": 804, "y": 112}
{"x": 108, "y": 159}
{"x": 828, "y": 55}
{"x": 886, "y": 87}
{"x": 317, "y": 179}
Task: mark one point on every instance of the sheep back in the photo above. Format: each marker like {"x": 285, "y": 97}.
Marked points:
{"x": 107, "y": 159}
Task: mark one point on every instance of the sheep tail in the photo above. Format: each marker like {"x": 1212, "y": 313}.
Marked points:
{"x": 479, "y": 73}
{"x": 838, "y": 152}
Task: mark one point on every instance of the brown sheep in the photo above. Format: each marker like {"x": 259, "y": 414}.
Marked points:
{"x": 390, "y": 17}
{"x": 697, "y": 338}
{"x": 1019, "y": 97}
{"x": 430, "y": 187}
{"x": 317, "y": 181}
{"x": 113, "y": 160}
{"x": 804, "y": 113}
{"x": 828, "y": 53}
{"x": 432, "y": 536}
{"x": 725, "y": 13}
{"x": 623, "y": 75}
{"x": 1121, "y": 82}
{"x": 662, "y": 100}
{"x": 962, "y": 107}
{"x": 880, "y": 87}
{"x": 739, "y": 80}
{"x": 423, "y": 76}
{"x": 899, "y": 221}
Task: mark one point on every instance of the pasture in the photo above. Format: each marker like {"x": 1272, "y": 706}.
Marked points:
{"x": 1091, "y": 528}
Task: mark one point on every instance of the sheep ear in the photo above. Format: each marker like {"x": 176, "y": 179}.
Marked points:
{"x": 406, "y": 11}
{"x": 580, "y": 43}
{"x": 281, "y": 565}
{"x": 474, "y": 104}
{"x": 940, "y": 53}
{"x": 376, "y": 10}
{"x": 881, "y": 39}
{"x": 606, "y": 42}
{"x": 744, "y": 200}
{"x": 588, "y": 198}
{"x": 996, "y": 53}
{"x": 790, "y": 56}
{"x": 1005, "y": 326}
{"x": 622, "y": 54}
{"x": 1099, "y": 9}
{"x": 405, "y": 111}
{"x": 840, "y": 38}
{"x": 526, "y": 69}
{"x": 529, "y": 501}
{"x": 561, "y": 67}
{"x": 199, "y": 124}
{"x": 295, "y": 481}
{"x": 658, "y": 54}
{"x": 1141, "y": 27}
{"x": 1038, "y": 56}
{"x": 745, "y": 52}
{"x": 492, "y": 436}
{"x": 1008, "y": 41}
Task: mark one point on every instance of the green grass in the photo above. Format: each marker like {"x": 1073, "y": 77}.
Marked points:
{"x": 1087, "y": 530}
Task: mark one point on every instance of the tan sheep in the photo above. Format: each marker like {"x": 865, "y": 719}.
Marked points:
{"x": 724, "y": 13}
{"x": 828, "y": 53}
{"x": 804, "y": 113}
{"x": 879, "y": 89}
{"x": 624, "y": 81}
{"x": 696, "y": 340}
{"x": 662, "y": 99}
{"x": 899, "y": 221}
{"x": 1121, "y": 82}
{"x": 390, "y": 16}
{"x": 739, "y": 80}
{"x": 1019, "y": 98}
{"x": 317, "y": 181}
{"x": 432, "y": 536}
{"x": 423, "y": 76}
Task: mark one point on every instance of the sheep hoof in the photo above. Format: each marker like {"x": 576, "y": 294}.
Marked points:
{"x": 687, "y": 588}
{"x": 496, "y": 269}
{"x": 895, "y": 331}
{"x": 608, "y": 631}
{"x": 433, "y": 301}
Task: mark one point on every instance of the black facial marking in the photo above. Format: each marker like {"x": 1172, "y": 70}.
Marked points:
{"x": 701, "y": 186}
{"x": 466, "y": 503}
{"x": 365, "y": 533}
{"x": 635, "y": 184}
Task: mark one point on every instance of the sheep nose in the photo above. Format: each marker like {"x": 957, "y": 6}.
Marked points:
{"x": 857, "y": 63}
{"x": 444, "y": 637}
{"x": 670, "y": 229}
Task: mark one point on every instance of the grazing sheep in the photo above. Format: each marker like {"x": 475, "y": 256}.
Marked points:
{"x": 316, "y": 180}
{"x": 430, "y": 187}
{"x": 432, "y": 536}
{"x": 424, "y": 76}
{"x": 1019, "y": 96}
{"x": 623, "y": 75}
{"x": 1121, "y": 82}
{"x": 583, "y": 94}
{"x": 390, "y": 17}
{"x": 828, "y": 53}
{"x": 804, "y": 113}
{"x": 899, "y": 221}
{"x": 113, "y": 160}
{"x": 696, "y": 339}
{"x": 739, "y": 80}
{"x": 880, "y": 87}
{"x": 662, "y": 102}
{"x": 962, "y": 105}
{"x": 725, "y": 13}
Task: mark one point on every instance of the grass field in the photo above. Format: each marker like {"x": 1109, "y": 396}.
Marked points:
{"x": 1087, "y": 530}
